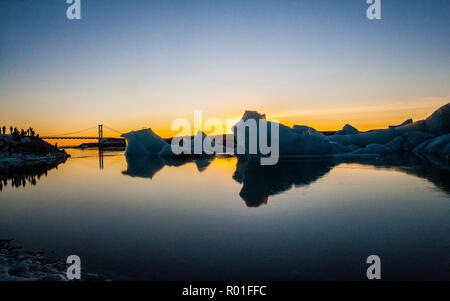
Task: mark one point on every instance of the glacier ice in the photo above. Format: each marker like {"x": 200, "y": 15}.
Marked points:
{"x": 200, "y": 144}
{"x": 143, "y": 142}
{"x": 298, "y": 140}
{"x": 439, "y": 145}
{"x": 378, "y": 149}
{"x": 429, "y": 136}
{"x": 409, "y": 121}
{"x": 436, "y": 124}
{"x": 348, "y": 130}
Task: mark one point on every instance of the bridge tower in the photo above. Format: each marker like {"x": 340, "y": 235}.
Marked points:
{"x": 100, "y": 135}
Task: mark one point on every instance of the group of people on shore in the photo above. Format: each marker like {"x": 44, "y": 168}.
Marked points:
{"x": 18, "y": 134}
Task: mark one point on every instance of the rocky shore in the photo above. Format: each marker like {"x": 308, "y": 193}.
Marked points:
{"x": 21, "y": 151}
{"x": 17, "y": 264}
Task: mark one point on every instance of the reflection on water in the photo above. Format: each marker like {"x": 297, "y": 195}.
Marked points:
{"x": 434, "y": 169}
{"x": 147, "y": 167}
{"x": 23, "y": 175}
{"x": 164, "y": 219}
{"x": 259, "y": 182}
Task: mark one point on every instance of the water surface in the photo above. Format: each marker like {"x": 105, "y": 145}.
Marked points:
{"x": 222, "y": 219}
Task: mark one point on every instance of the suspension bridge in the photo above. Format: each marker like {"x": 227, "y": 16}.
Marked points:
{"x": 100, "y": 136}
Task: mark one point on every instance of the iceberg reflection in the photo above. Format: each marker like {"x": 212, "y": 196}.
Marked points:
{"x": 148, "y": 166}
{"x": 259, "y": 182}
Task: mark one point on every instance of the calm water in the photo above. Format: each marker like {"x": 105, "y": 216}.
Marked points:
{"x": 224, "y": 220}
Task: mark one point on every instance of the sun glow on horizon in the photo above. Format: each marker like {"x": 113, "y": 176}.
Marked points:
{"x": 363, "y": 118}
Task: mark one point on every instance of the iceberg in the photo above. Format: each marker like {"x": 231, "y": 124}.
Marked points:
{"x": 143, "y": 142}
{"x": 378, "y": 149}
{"x": 439, "y": 145}
{"x": 347, "y": 130}
{"x": 298, "y": 140}
{"x": 409, "y": 121}
{"x": 201, "y": 145}
{"x": 436, "y": 124}
{"x": 301, "y": 140}
{"x": 429, "y": 136}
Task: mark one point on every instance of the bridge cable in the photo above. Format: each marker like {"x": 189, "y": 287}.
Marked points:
{"x": 110, "y": 128}
{"x": 72, "y": 133}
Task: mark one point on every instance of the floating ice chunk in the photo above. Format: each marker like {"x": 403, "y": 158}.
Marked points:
{"x": 445, "y": 150}
{"x": 439, "y": 146}
{"x": 409, "y": 121}
{"x": 344, "y": 148}
{"x": 437, "y": 124}
{"x": 378, "y": 149}
{"x": 363, "y": 139}
{"x": 298, "y": 140}
{"x": 408, "y": 141}
{"x": 306, "y": 130}
{"x": 348, "y": 130}
{"x": 143, "y": 142}
{"x": 253, "y": 115}
{"x": 201, "y": 144}
{"x": 313, "y": 143}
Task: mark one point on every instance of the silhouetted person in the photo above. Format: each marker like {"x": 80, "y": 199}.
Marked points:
{"x": 10, "y": 129}
{"x": 4, "y": 129}
{"x": 31, "y": 132}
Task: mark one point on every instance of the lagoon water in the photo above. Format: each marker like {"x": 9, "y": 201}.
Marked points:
{"x": 145, "y": 219}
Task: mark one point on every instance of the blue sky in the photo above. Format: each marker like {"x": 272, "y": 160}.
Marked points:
{"x": 144, "y": 63}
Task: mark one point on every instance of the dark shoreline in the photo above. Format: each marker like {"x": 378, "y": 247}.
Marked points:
{"x": 28, "y": 150}
{"x": 18, "y": 264}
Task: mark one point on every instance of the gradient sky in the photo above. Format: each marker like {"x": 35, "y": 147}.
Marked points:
{"x": 140, "y": 63}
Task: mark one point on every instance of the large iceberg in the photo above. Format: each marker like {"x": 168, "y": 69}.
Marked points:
{"x": 298, "y": 140}
{"x": 429, "y": 136}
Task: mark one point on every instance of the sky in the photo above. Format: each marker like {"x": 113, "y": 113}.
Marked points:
{"x": 142, "y": 63}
